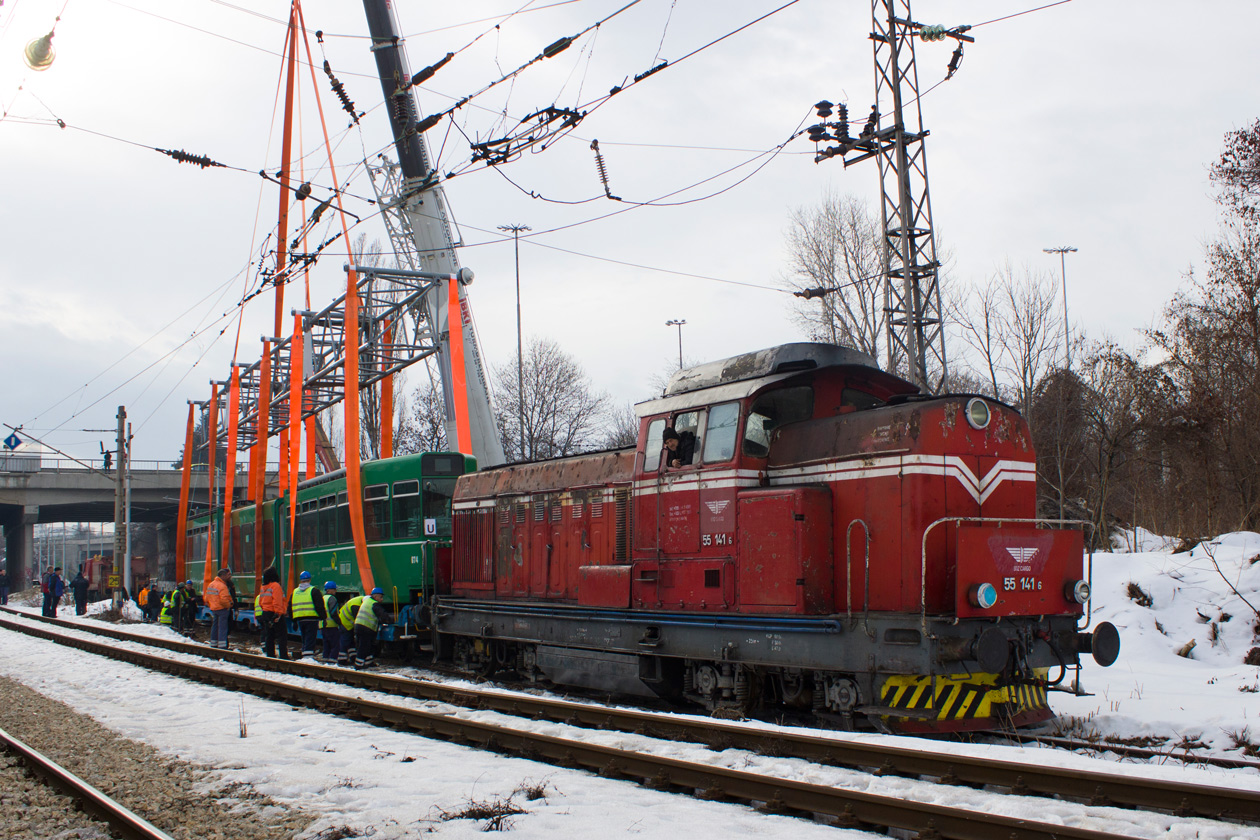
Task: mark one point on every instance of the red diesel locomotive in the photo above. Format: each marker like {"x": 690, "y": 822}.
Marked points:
{"x": 834, "y": 541}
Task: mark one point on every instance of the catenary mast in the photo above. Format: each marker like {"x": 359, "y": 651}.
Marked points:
{"x": 424, "y": 205}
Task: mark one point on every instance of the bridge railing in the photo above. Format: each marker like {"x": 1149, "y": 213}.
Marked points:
{"x": 30, "y": 463}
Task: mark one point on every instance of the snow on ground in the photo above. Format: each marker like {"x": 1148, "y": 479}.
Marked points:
{"x": 1208, "y": 596}
{"x": 399, "y": 785}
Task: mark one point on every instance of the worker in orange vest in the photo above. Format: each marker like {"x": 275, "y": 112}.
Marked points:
{"x": 220, "y": 601}
{"x": 273, "y": 616}
{"x": 142, "y": 601}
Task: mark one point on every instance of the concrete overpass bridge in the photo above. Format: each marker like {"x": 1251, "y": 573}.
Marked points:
{"x": 39, "y": 491}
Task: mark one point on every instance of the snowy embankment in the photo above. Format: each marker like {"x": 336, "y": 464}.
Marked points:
{"x": 1202, "y": 603}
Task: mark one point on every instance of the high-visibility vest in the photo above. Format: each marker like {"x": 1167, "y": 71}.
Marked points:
{"x": 143, "y": 599}
{"x": 330, "y": 611}
{"x": 258, "y": 606}
{"x": 165, "y": 616}
{"x": 303, "y": 601}
{"x": 367, "y": 616}
{"x": 347, "y": 613}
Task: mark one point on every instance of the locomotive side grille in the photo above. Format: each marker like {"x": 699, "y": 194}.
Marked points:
{"x": 540, "y": 510}
{"x": 621, "y": 499}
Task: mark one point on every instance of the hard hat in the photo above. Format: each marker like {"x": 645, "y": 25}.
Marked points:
{"x": 188, "y": 583}
{"x": 304, "y": 576}
{"x": 330, "y": 585}
{"x": 378, "y": 591}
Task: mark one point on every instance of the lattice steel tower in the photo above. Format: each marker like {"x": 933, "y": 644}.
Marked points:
{"x": 912, "y": 295}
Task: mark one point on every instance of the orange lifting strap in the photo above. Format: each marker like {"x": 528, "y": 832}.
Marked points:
{"x": 181, "y": 527}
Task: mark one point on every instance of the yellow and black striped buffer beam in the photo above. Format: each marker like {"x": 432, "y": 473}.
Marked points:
{"x": 960, "y": 698}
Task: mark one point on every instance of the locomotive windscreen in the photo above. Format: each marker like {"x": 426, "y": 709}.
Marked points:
{"x": 431, "y": 464}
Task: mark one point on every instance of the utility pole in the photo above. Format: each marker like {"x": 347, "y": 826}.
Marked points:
{"x": 126, "y": 580}
{"x": 515, "y": 230}
{"x": 912, "y": 297}
{"x": 678, "y": 324}
{"x": 1067, "y": 334}
{"x": 120, "y": 501}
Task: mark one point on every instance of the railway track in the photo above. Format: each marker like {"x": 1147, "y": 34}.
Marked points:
{"x": 124, "y": 822}
{"x": 1095, "y": 788}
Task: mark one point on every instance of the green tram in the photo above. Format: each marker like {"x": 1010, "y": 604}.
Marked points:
{"x": 407, "y": 524}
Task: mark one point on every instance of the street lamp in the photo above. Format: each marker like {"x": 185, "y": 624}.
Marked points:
{"x": 1067, "y": 335}
{"x": 515, "y": 230}
{"x": 679, "y": 324}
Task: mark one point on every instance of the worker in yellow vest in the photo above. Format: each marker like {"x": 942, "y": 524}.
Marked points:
{"x": 331, "y": 626}
{"x": 306, "y": 607}
{"x": 345, "y": 617}
{"x": 164, "y": 617}
{"x": 372, "y": 614}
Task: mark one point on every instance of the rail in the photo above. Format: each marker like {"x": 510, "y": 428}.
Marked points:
{"x": 842, "y": 807}
{"x": 1029, "y": 779}
{"x": 127, "y": 823}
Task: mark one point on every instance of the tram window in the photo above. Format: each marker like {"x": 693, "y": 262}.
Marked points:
{"x": 269, "y": 541}
{"x": 308, "y": 525}
{"x": 769, "y": 411}
{"x": 408, "y": 521}
{"x": 344, "y": 534}
{"x": 437, "y": 505}
{"x": 328, "y": 520}
{"x": 859, "y": 400}
{"x": 719, "y": 444}
{"x": 376, "y": 512}
{"x": 247, "y": 548}
{"x": 655, "y": 441}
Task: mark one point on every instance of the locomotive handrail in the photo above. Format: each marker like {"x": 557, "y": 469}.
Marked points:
{"x": 990, "y": 519}
{"x": 848, "y": 575}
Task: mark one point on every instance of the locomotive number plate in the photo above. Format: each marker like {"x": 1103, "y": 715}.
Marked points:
{"x": 1021, "y": 584}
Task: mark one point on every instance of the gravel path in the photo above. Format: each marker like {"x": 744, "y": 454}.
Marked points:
{"x": 182, "y": 799}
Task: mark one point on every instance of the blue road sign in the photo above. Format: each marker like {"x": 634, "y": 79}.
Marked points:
{"x": 12, "y": 441}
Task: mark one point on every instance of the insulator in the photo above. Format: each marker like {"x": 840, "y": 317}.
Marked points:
{"x": 427, "y": 123}
{"x": 186, "y": 157}
{"x": 955, "y": 60}
{"x": 934, "y": 32}
{"x": 655, "y": 69}
{"x": 39, "y": 53}
{"x": 871, "y": 121}
{"x": 823, "y": 109}
{"x": 817, "y": 133}
{"x": 303, "y": 192}
{"x": 557, "y": 47}
{"x": 602, "y": 170}
{"x": 340, "y": 90}
{"x": 428, "y": 72}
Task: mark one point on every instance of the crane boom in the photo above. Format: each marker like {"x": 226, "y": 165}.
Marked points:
{"x": 470, "y": 422}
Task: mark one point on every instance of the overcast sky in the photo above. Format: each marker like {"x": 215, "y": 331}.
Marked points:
{"x": 1090, "y": 124}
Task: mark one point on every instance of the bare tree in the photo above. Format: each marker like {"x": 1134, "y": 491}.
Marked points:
{"x": 1012, "y": 324}
{"x": 837, "y": 245}
{"x": 1237, "y": 172}
{"x": 623, "y": 428}
{"x": 422, "y": 424}
{"x": 563, "y": 414}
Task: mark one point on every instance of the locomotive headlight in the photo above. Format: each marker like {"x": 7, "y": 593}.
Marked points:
{"x": 978, "y": 414}
{"x": 1076, "y": 590}
{"x": 982, "y": 596}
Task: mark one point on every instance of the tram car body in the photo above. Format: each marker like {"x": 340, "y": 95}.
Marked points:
{"x": 838, "y": 542}
{"x": 407, "y": 523}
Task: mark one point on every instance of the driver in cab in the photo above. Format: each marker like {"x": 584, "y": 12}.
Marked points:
{"x": 678, "y": 448}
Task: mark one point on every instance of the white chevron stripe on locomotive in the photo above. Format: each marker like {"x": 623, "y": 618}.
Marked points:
{"x": 979, "y": 488}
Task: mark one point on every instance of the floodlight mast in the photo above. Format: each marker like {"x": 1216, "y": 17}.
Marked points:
{"x": 423, "y": 203}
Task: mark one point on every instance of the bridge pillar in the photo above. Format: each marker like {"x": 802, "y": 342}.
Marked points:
{"x": 19, "y": 547}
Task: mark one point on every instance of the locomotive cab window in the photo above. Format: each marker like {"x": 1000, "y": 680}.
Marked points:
{"x": 769, "y": 411}
{"x": 719, "y": 444}
{"x": 652, "y": 449}
{"x": 408, "y": 524}
{"x": 690, "y": 428}
{"x": 854, "y": 399}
